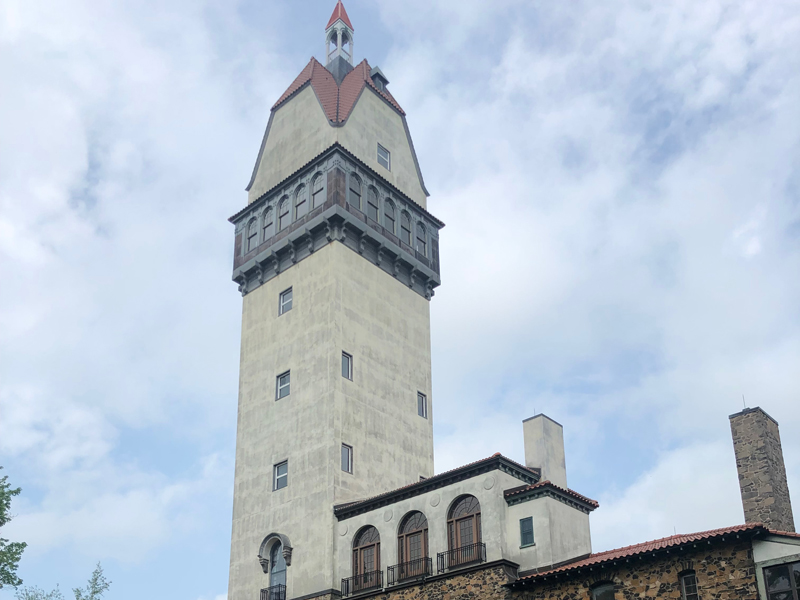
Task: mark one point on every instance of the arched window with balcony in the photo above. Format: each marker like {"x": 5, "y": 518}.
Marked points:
{"x": 252, "y": 235}
{"x": 354, "y": 195}
{"x": 422, "y": 239}
{"x": 317, "y": 189}
{"x": 405, "y": 228}
{"x": 412, "y": 547}
{"x": 277, "y": 573}
{"x": 388, "y": 216}
{"x": 283, "y": 213}
{"x": 464, "y": 532}
{"x": 267, "y": 224}
{"x": 300, "y": 202}
{"x": 366, "y": 560}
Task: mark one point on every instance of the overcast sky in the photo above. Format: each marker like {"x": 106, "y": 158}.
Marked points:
{"x": 621, "y": 186}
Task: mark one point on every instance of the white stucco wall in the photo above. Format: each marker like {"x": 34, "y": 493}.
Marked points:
{"x": 341, "y": 302}
{"x": 300, "y": 131}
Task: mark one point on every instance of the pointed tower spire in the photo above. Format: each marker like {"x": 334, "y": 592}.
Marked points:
{"x": 339, "y": 43}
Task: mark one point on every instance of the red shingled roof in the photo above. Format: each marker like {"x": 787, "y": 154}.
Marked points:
{"x": 337, "y": 101}
{"x": 645, "y": 548}
{"x": 340, "y": 13}
{"x": 549, "y": 484}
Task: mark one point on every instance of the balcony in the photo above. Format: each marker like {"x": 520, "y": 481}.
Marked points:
{"x": 276, "y": 592}
{"x": 461, "y": 557}
{"x": 414, "y": 569}
{"x": 361, "y": 583}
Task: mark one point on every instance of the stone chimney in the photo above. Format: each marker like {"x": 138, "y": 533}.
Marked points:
{"x": 762, "y": 475}
{"x": 544, "y": 448}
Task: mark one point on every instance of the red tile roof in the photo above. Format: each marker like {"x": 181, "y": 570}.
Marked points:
{"x": 673, "y": 541}
{"x": 786, "y": 533}
{"x": 340, "y": 13}
{"x": 549, "y": 484}
{"x": 337, "y": 101}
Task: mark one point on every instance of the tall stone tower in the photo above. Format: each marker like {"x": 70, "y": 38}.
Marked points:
{"x": 762, "y": 474}
{"x": 336, "y": 258}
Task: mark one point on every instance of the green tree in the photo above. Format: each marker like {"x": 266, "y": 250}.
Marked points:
{"x": 10, "y": 552}
{"x": 97, "y": 586}
{"x": 34, "y": 593}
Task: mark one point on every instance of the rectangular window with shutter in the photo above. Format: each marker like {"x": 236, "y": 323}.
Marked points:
{"x": 526, "y": 532}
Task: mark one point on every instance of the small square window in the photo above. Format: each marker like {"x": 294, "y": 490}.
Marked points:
{"x": 422, "y": 405}
{"x": 285, "y": 302}
{"x": 526, "y": 532}
{"x": 384, "y": 158}
{"x": 283, "y": 385}
{"x": 347, "y": 458}
{"x": 281, "y": 475}
{"x": 347, "y": 366}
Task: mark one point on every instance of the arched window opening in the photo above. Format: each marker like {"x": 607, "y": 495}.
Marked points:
{"x": 372, "y": 204}
{"x": 277, "y": 573}
{"x": 317, "y": 197}
{"x": 412, "y": 546}
{"x": 346, "y": 44}
{"x": 354, "y": 197}
{"x": 300, "y": 202}
{"x": 604, "y": 591}
{"x": 283, "y": 214}
{"x": 689, "y": 585}
{"x": 268, "y": 223}
{"x": 405, "y": 228}
{"x": 422, "y": 240}
{"x": 366, "y": 559}
{"x": 252, "y": 235}
{"x": 388, "y": 216}
{"x": 464, "y": 531}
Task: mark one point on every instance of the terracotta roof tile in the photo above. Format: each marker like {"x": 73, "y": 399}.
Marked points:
{"x": 550, "y": 484}
{"x": 339, "y": 13}
{"x": 645, "y": 548}
{"x": 337, "y": 101}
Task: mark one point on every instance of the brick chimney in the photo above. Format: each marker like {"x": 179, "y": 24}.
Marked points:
{"x": 762, "y": 475}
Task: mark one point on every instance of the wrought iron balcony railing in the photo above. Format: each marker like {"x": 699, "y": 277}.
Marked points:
{"x": 361, "y": 583}
{"x": 459, "y": 557}
{"x": 276, "y": 592}
{"x": 413, "y": 569}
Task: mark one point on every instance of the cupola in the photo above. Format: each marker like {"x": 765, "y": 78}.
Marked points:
{"x": 339, "y": 43}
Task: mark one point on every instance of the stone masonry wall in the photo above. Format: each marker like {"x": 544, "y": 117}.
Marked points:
{"x": 762, "y": 474}
{"x": 724, "y": 572}
{"x": 484, "y": 584}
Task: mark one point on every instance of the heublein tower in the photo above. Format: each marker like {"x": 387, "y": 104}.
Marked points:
{"x": 337, "y": 258}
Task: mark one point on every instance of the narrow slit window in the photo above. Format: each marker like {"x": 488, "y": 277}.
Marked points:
{"x": 347, "y": 366}
{"x": 372, "y": 204}
{"x": 422, "y": 405}
{"x": 285, "y": 302}
{"x": 281, "y": 475}
{"x": 347, "y": 458}
{"x": 317, "y": 196}
{"x": 283, "y": 385}
{"x": 388, "y": 216}
{"x": 526, "y": 532}
{"x": 300, "y": 202}
{"x": 384, "y": 158}
{"x": 405, "y": 228}
{"x": 422, "y": 240}
{"x": 689, "y": 587}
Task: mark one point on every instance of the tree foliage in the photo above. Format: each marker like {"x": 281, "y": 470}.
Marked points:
{"x": 34, "y": 593}
{"x": 94, "y": 590}
{"x": 10, "y": 552}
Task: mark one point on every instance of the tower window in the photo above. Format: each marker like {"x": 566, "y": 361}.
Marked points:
{"x": 317, "y": 197}
{"x": 280, "y": 477}
{"x": 268, "y": 224}
{"x": 526, "y": 532}
{"x": 422, "y": 240}
{"x": 354, "y": 197}
{"x": 422, "y": 405}
{"x": 300, "y": 202}
{"x": 347, "y": 458}
{"x": 384, "y": 158}
{"x": 689, "y": 587}
{"x": 283, "y": 385}
{"x": 283, "y": 214}
{"x": 405, "y": 228}
{"x": 285, "y": 302}
{"x": 347, "y": 366}
{"x": 252, "y": 235}
{"x": 388, "y": 216}
{"x": 372, "y": 204}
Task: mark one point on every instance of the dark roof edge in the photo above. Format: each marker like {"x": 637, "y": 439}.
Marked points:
{"x": 542, "y": 415}
{"x": 747, "y": 411}
{"x": 565, "y": 571}
{"x": 493, "y": 463}
{"x": 333, "y": 147}
{"x": 548, "y": 488}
